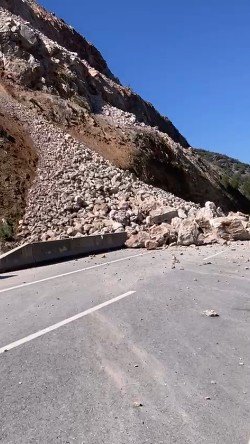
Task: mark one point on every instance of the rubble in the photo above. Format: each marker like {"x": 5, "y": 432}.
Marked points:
{"x": 76, "y": 192}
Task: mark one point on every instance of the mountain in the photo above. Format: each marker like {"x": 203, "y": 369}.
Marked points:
{"x": 80, "y": 153}
{"x": 233, "y": 173}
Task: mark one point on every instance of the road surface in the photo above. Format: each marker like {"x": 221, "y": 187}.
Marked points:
{"x": 115, "y": 349}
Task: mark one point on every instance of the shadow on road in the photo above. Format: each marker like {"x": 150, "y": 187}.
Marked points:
{"x": 8, "y": 276}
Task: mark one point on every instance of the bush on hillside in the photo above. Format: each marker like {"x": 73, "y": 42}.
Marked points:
{"x": 6, "y": 231}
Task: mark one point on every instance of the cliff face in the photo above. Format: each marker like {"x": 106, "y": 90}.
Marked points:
{"x": 53, "y": 28}
{"x": 69, "y": 64}
{"x": 50, "y": 73}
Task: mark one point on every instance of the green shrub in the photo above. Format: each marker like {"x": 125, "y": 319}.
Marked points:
{"x": 225, "y": 180}
{"x": 6, "y": 231}
{"x": 245, "y": 187}
{"x": 235, "y": 181}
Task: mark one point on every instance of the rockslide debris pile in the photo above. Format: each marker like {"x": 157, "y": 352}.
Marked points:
{"x": 76, "y": 191}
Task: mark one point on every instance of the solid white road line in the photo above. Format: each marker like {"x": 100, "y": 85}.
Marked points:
{"x": 73, "y": 272}
{"x": 213, "y": 255}
{"x": 62, "y": 323}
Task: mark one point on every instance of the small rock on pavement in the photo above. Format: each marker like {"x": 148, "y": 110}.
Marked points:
{"x": 210, "y": 313}
{"x": 137, "y": 404}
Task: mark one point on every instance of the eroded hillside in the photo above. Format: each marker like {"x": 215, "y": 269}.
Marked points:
{"x": 17, "y": 168}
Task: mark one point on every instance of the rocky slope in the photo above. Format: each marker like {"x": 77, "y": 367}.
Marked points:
{"x": 86, "y": 155}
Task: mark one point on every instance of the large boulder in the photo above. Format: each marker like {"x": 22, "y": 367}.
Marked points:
{"x": 137, "y": 240}
{"x": 231, "y": 228}
{"x": 28, "y": 37}
{"x": 155, "y": 237}
{"x": 204, "y": 215}
{"x": 202, "y": 218}
{"x": 210, "y": 206}
{"x": 151, "y": 244}
{"x": 239, "y": 215}
{"x": 165, "y": 214}
{"x": 188, "y": 232}
{"x": 160, "y": 234}
{"x": 175, "y": 223}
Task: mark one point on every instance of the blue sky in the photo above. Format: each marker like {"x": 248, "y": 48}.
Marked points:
{"x": 190, "y": 58}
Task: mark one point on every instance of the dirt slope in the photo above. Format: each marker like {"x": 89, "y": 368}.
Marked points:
{"x": 17, "y": 168}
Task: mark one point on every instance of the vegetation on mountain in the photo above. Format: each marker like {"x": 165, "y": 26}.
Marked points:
{"x": 233, "y": 172}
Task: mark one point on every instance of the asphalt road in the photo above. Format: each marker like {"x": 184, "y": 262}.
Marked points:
{"x": 116, "y": 350}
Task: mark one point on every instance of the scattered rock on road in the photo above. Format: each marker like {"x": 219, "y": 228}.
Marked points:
{"x": 211, "y": 313}
{"x": 137, "y": 404}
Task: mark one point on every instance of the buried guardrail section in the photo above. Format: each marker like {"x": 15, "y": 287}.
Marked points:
{"x": 30, "y": 255}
